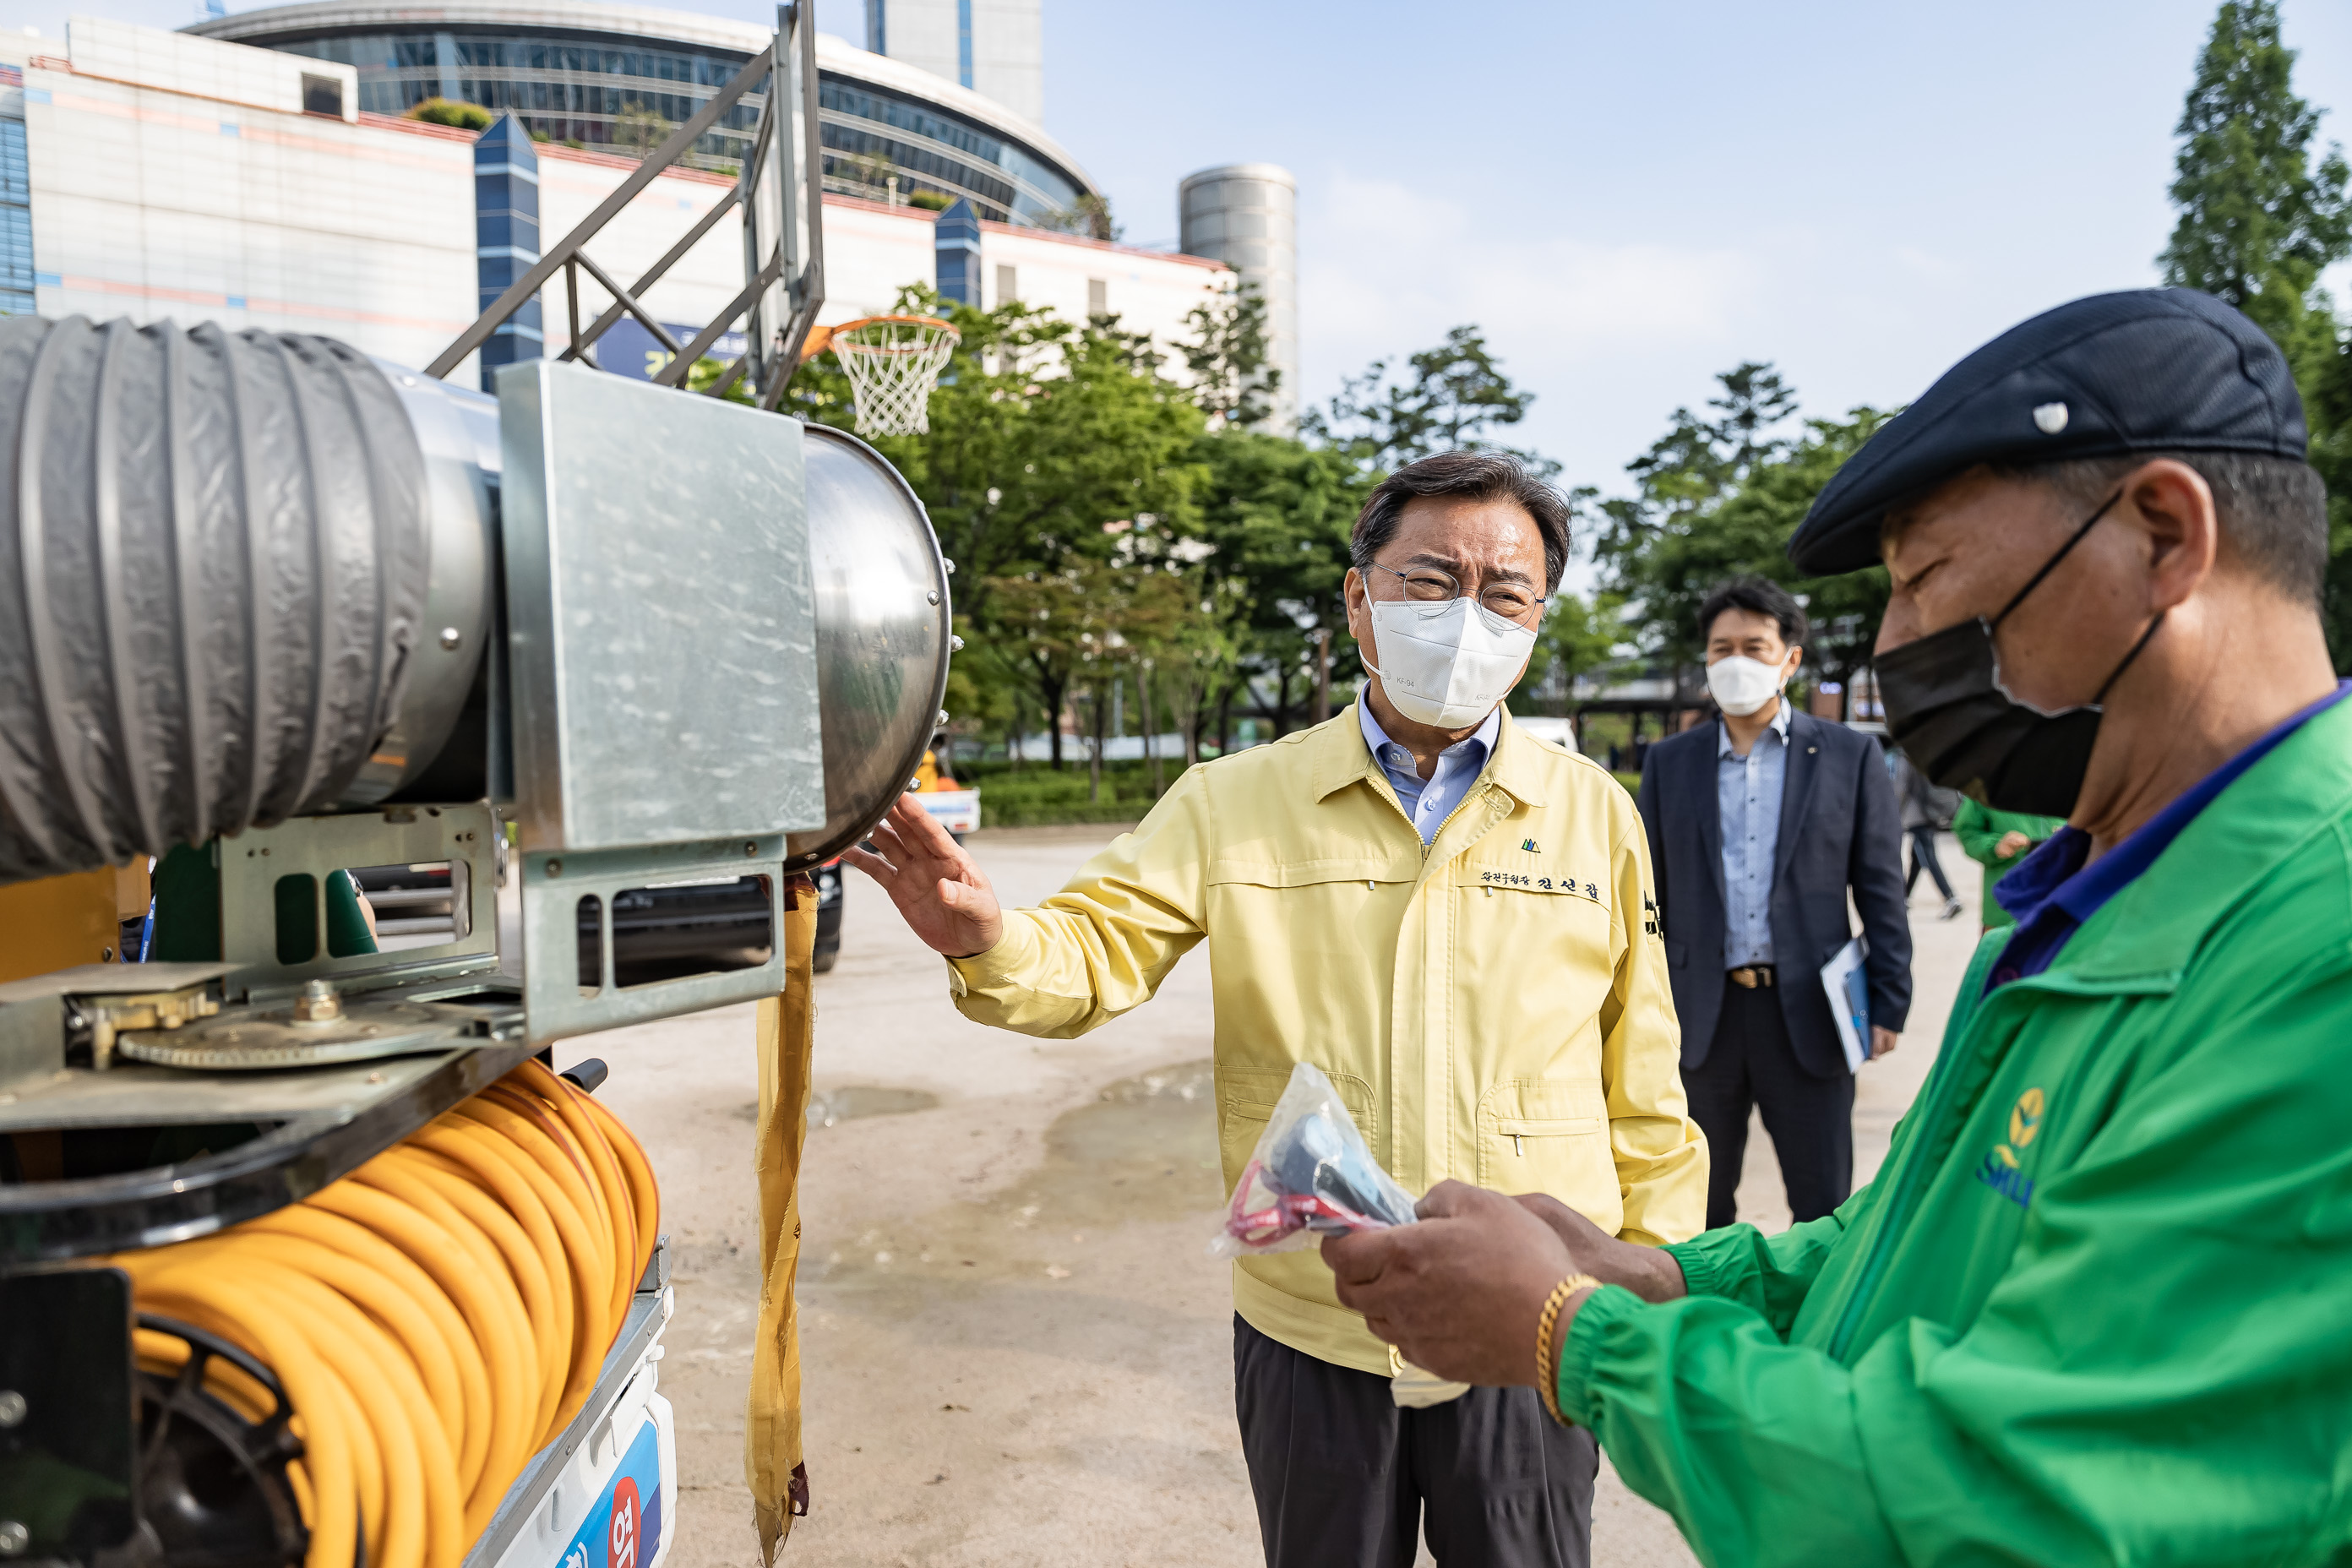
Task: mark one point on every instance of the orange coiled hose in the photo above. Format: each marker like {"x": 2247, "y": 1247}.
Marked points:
{"x": 436, "y": 1317}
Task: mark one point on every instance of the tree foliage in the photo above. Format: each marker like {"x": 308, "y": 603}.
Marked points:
{"x": 1718, "y": 494}
{"x": 1276, "y": 515}
{"x": 1121, "y": 523}
{"x": 1088, "y": 216}
{"x": 1232, "y": 381}
{"x": 1447, "y": 399}
{"x": 449, "y": 111}
{"x": 1054, "y": 458}
{"x": 1579, "y": 637}
{"x": 2259, "y": 219}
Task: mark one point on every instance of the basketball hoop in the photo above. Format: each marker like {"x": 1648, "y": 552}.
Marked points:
{"x": 892, "y": 362}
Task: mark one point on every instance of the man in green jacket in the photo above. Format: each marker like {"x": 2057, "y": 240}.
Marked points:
{"x": 2096, "y": 1308}
{"x": 1997, "y": 840}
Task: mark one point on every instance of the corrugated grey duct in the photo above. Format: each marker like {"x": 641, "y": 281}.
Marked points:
{"x": 213, "y": 551}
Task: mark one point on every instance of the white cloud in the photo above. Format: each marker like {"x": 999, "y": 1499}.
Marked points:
{"x": 1387, "y": 269}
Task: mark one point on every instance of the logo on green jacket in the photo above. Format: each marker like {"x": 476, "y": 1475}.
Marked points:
{"x": 2002, "y": 1169}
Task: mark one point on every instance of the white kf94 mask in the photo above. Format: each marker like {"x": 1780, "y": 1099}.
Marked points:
{"x": 1741, "y": 685}
{"x": 1449, "y": 670}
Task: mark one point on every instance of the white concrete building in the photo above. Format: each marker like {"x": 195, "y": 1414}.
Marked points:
{"x": 174, "y": 177}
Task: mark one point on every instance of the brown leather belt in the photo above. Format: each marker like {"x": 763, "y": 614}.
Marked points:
{"x": 1749, "y": 976}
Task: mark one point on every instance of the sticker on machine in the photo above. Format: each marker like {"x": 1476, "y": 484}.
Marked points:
{"x": 624, "y": 1530}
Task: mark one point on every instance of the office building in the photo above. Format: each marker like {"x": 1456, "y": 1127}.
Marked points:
{"x": 172, "y": 176}
{"x": 618, "y": 78}
{"x": 996, "y": 47}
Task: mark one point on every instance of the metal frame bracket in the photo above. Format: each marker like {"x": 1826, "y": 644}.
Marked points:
{"x": 553, "y": 884}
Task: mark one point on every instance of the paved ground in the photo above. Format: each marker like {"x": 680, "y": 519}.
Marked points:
{"x": 1017, "y": 1350}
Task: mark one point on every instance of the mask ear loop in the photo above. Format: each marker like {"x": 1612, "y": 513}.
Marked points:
{"x": 2051, "y": 564}
{"x": 2101, "y": 696}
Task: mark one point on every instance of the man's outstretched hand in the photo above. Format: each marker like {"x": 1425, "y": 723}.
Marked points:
{"x": 939, "y": 889}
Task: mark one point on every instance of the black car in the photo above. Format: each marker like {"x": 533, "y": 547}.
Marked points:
{"x": 679, "y": 929}
{"x": 699, "y": 928}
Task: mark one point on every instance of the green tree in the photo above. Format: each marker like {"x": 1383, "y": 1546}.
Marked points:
{"x": 1088, "y": 216}
{"x": 2259, "y": 222}
{"x": 1579, "y": 637}
{"x": 1276, "y": 515}
{"x": 449, "y": 111}
{"x": 1192, "y": 660}
{"x": 1051, "y": 450}
{"x": 1716, "y": 496}
{"x": 705, "y": 374}
{"x": 638, "y": 130}
{"x": 1232, "y": 381}
{"x": 1448, "y": 400}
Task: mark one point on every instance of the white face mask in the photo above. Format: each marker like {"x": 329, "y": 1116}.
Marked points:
{"x": 1449, "y": 670}
{"x": 1741, "y": 685}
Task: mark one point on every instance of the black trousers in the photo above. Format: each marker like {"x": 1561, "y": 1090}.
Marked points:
{"x": 1923, "y": 857}
{"x": 1751, "y": 1063}
{"x": 1344, "y": 1478}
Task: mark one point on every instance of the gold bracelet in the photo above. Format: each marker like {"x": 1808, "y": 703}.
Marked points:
{"x": 1547, "y": 1369}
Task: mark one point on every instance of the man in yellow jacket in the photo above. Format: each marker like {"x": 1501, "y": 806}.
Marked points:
{"x": 1456, "y": 921}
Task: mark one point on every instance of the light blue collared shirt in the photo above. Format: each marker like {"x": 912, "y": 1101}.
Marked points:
{"x": 1429, "y": 802}
{"x": 1748, "y": 797}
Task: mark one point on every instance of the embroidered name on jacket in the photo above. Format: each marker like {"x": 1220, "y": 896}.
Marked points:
{"x": 1541, "y": 882}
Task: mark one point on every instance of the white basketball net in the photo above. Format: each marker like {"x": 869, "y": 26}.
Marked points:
{"x": 892, "y": 362}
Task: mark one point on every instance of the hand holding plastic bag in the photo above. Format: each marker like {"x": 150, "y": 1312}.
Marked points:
{"x": 1309, "y": 1176}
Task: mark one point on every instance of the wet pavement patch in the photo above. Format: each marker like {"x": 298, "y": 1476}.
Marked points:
{"x": 1144, "y": 1149}
{"x": 853, "y": 1101}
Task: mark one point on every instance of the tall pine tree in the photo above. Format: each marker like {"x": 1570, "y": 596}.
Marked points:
{"x": 2260, "y": 221}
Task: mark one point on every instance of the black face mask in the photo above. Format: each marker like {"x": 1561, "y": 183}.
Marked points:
{"x": 1946, "y": 709}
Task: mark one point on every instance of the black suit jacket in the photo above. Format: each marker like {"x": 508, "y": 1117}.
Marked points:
{"x": 1840, "y": 829}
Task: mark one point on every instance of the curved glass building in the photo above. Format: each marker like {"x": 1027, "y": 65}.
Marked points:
{"x": 617, "y": 77}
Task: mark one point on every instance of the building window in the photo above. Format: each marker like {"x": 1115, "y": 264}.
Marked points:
{"x": 16, "y": 223}
{"x": 1008, "y": 286}
{"x": 964, "y": 42}
{"x": 322, "y": 95}
{"x": 1097, "y": 297}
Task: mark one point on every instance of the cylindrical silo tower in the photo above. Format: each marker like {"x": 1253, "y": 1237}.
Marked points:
{"x": 1246, "y": 215}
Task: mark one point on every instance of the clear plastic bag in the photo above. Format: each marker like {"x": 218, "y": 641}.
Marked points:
{"x": 1309, "y": 1176}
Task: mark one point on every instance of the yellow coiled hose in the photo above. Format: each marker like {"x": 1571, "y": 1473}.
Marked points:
{"x": 436, "y": 1318}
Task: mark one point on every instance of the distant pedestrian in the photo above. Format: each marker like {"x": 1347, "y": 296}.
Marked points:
{"x": 1924, "y": 815}
{"x": 1759, "y": 826}
{"x": 2000, "y": 840}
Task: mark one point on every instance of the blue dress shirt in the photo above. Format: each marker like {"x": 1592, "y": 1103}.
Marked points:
{"x": 2051, "y": 892}
{"x": 1748, "y": 800}
{"x": 1429, "y": 802}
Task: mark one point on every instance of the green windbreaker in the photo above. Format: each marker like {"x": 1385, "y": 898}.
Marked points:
{"x": 2097, "y": 1306}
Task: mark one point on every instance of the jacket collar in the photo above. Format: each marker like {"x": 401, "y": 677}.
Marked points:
{"x": 2145, "y": 936}
{"x": 1341, "y": 758}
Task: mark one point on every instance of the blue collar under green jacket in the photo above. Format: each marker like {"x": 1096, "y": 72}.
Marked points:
{"x": 2097, "y": 1306}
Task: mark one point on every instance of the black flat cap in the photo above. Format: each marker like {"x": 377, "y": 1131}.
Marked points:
{"x": 2147, "y": 370}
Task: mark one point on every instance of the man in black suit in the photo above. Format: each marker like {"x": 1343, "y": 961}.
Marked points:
{"x": 1758, "y": 824}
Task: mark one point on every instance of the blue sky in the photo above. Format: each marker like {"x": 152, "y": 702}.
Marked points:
{"x": 1630, "y": 198}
